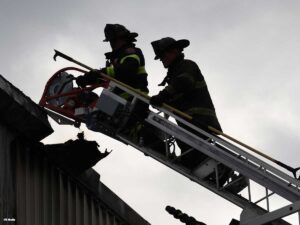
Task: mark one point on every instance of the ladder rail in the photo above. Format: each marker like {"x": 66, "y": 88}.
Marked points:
{"x": 229, "y": 145}
{"x": 234, "y": 157}
{"x": 239, "y": 151}
{"x": 246, "y": 168}
{"x": 248, "y": 157}
{"x": 238, "y": 200}
{"x": 254, "y": 159}
{"x": 235, "y": 199}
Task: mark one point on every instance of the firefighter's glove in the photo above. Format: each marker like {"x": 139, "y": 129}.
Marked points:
{"x": 80, "y": 81}
{"x": 158, "y": 100}
{"x": 88, "y": 78}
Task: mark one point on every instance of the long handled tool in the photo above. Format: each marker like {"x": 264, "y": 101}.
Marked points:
{"x": 289, "y": 168}
{"x": 60, "y": 54}
{"x": 182, "y": 114}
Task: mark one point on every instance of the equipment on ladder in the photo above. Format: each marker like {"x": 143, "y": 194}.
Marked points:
{"x": 183, "y": 217}
{"x": 61, "y": 97}
{"x": 108, "y": 114}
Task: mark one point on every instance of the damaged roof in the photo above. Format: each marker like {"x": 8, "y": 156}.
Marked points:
{"x": 21, "y": 114}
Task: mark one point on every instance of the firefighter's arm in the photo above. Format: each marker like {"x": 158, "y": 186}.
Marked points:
{"x": 162, "y": 97}
{"x": 183, "y": 83}
{"x": 91, "y": 77}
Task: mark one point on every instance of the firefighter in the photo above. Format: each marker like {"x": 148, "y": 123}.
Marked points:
{"x": 125, "y": 63}
{"x": 186, "y": 90}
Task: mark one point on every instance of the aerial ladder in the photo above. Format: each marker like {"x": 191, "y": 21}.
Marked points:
{"x": 108, "y": 114}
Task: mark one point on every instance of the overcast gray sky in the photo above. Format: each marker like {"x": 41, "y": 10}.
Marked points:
{"x": 248, "y": 51}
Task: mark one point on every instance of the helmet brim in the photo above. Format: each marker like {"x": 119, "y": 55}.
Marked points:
{"x": 180, "y": 44}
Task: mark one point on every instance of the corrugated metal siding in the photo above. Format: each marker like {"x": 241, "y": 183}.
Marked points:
{"x": 7, "y": 200}
{"x": 47, "y": 196}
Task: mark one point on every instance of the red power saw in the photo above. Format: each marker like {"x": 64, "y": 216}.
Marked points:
{"x": 64, "y": 101}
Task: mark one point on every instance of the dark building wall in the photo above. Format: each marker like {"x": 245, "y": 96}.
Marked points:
{"x": 33, "y": 189}
{"x": 48, "y": 195}
{"x": 7, "y": 193}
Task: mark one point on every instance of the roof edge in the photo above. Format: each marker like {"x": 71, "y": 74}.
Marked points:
{"x": 19, "y": 112}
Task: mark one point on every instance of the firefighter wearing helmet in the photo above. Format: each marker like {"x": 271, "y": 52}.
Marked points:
{"x": 185, "y": 90}
{"x": 125, "y": 63}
